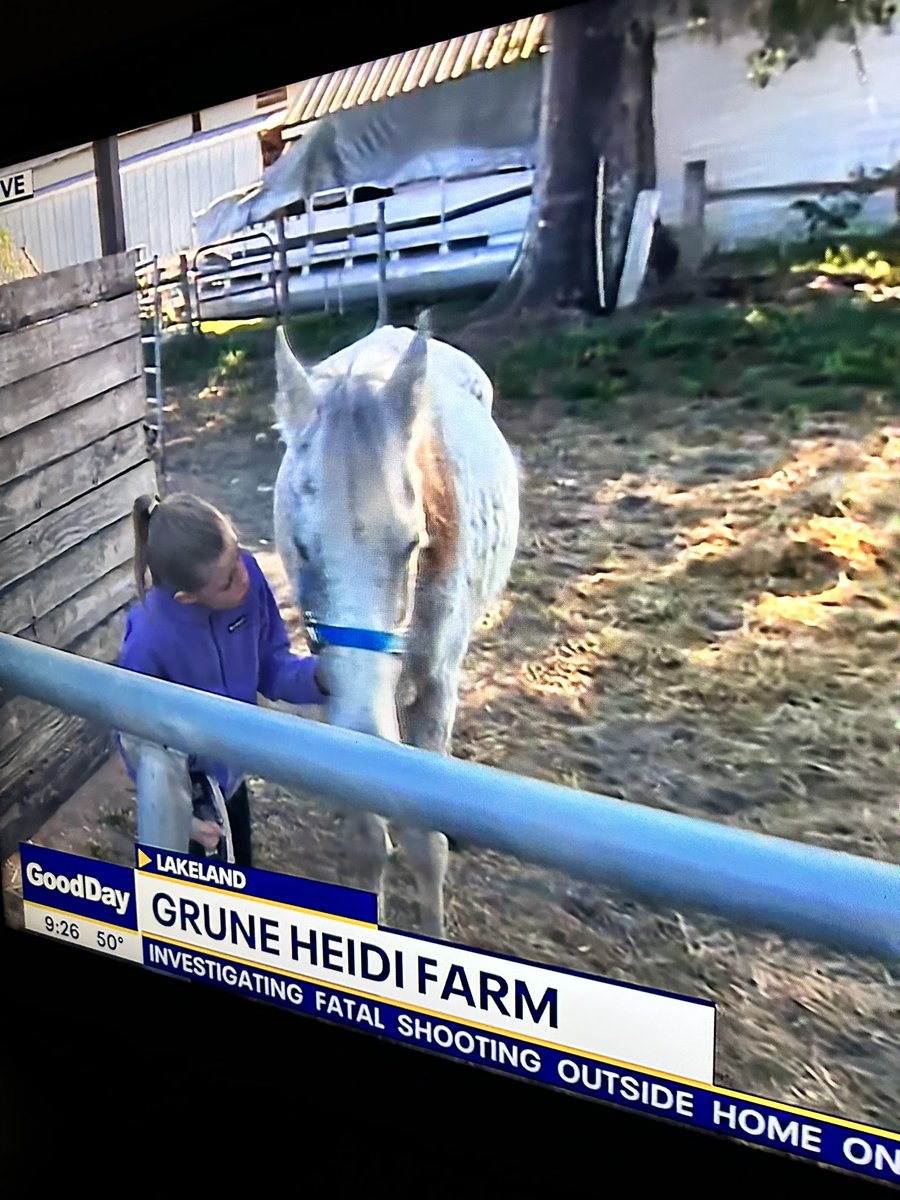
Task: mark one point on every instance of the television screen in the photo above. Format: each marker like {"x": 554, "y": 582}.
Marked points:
{"x": 449, "y": 550}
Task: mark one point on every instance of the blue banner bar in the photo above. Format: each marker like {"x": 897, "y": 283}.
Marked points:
{"x": 95, "y": 890}
{"x": 106, "y": 893}
{"x": 822, "y": 1139}
{"x": 331, "y": 899}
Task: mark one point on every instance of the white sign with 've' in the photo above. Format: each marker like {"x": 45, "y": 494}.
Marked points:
{"x": 19, "y": 186}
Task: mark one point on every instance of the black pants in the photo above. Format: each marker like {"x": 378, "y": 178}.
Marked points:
{"x": 239, "y": 818}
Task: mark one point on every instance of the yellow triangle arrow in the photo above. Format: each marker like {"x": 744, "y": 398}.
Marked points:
{"x": 143, "y": 858}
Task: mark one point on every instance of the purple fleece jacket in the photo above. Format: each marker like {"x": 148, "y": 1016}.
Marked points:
{"x": 236, "y": 652}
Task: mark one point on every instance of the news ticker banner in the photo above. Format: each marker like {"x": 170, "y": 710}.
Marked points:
{"x": 317, "y": 949}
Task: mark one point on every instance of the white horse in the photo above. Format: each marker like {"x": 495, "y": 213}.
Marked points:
{"x": 396, "y": 518}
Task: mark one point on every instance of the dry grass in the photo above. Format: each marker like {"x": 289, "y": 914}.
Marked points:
{"x": 720, "y": 641}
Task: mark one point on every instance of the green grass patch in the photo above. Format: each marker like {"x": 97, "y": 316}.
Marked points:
{"x": 824, "y": 354}
{"x": 227, "y": 351}
{"x": 812, "y": 357}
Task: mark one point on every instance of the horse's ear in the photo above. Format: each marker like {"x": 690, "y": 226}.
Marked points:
{"x": 407, "y": 384}
{"x": 294, "y": 399}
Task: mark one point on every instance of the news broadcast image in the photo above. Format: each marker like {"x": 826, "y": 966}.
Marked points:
{"x": 510, "y": 429}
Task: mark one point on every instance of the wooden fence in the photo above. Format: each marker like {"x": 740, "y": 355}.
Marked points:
{"x": 73, "y": 457}
{"x": 697, "y": 195}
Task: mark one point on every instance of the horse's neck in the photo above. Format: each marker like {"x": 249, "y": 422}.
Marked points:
{"x": 440, "y": 502}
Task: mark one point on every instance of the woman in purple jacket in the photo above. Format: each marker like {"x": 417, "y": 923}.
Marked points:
{"x": 209, "y": 622}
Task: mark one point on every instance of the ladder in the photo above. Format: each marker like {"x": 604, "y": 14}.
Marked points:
{"x": 151, "y": 310}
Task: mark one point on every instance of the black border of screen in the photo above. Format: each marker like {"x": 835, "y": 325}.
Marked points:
{"x": 104, "y": 1064}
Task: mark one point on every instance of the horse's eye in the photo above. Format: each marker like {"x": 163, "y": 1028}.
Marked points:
{"x": 301, "y": 550}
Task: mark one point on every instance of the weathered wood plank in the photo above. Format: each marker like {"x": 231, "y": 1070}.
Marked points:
{"x": 20, "y": 753}
{"x": 46, "y": 540}
{"x": 18, "y": 716}
{"x": 63, "y": 339}
{"x": 27, "y": 500}
{"x": 79, "y": 751}
{"x": 104, "y": 640}
{"x": 28, "y": 301}
{"x": 809, "y": 187}
{"x": 51, "y": 585}
{"x": 77, "y": 617}
{"x": 22, "y": 718}
{"x": 74, "y": 481}
{"x": 637, "y": 249}
{"x": 72, "y": 430}
{"x": 27, "y": 744}
{"x": 692, "y": 233}
{"x": 80, "y": 627}
{"x": 60, "y": 388}
{"x": 62, "y": 629}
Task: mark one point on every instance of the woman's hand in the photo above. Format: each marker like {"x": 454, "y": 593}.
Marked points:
{"x": 207, "y": 833}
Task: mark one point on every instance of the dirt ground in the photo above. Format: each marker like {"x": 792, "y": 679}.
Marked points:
{"x": 702, "y": 618}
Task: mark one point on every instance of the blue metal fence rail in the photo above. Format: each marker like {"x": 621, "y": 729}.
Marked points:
{"x": 839, "y": 899}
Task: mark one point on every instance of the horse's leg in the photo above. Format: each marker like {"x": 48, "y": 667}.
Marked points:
{"x": 428, "y": 723}
{"x": 371, "y": 848}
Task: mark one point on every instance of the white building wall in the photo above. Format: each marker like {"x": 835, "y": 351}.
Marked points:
{"x": 817, "y": 122}
{"x": 58, "y": 229}
{"x": 160, "y": 194}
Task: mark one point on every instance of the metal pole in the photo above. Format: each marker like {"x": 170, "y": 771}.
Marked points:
{"x": 442, "y": 246}
{"x": 283, "y": 279}
{"x": 600, "y": 235}
{"x": 803, "y": 891}
{"x": 382, "y": 267}
{"x": 157, "y": 366}
{"x": 351, "y": 222}
{"x": 186, "y": 291}
{"x": 194, "y": 270}
{"x": 110, "y": 210}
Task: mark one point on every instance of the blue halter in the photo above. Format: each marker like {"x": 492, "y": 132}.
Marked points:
{"x": 320, "y": 635}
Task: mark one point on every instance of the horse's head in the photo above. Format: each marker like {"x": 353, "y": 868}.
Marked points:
{"x": 349, "y": 515}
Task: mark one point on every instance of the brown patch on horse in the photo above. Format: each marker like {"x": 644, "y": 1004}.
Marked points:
{"x": 441, "y": 508}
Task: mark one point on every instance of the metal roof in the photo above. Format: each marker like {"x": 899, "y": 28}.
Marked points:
{"x": 385, "y": 77}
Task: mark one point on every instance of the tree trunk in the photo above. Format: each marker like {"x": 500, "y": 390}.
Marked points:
{"x": 597, "y": 103}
